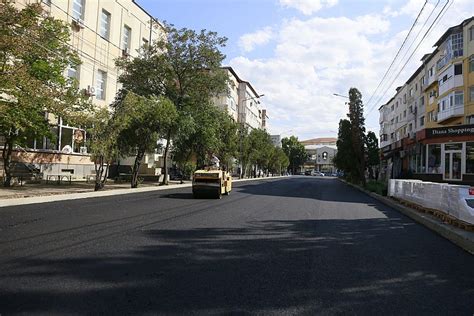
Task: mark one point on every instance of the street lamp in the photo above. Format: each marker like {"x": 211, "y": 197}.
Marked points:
{"x": 242, "y": 117}
{"x": 340, "y": 95}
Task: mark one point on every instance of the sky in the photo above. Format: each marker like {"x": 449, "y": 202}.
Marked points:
{"x": 298, "y": 53}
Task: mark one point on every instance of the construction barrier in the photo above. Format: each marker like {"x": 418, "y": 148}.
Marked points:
{"x": 455, "y": 201}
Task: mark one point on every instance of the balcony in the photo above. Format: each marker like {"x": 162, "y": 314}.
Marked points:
{"x": 455, "y": 111}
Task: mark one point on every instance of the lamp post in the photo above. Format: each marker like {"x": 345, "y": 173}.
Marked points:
{"x": 242, "y": 117}
{"x": 340, "y": 95}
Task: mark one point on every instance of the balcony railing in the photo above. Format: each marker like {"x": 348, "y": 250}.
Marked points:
{"x": 450, "y": 113}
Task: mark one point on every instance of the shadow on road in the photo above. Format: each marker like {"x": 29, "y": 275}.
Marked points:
{"x": 364, "y": 266}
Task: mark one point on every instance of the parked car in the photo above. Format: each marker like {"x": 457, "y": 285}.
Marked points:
{"x": 318, "y": 174}
{"x": 307, "y": 172}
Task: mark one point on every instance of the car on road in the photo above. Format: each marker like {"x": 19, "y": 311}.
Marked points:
{"x": 318, "y": 174}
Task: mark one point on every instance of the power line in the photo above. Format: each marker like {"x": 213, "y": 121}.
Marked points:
{"x": 399, "y": 50}
{"x": 437, "y": 19}
{"x": 406, "y": 52}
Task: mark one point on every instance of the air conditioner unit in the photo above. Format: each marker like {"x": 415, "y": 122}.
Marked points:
{"x": 78, "y": 24}
{"x": 90, "y": 91}
{"x": 83, "y": 150}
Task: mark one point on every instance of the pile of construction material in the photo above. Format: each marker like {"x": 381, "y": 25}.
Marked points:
{"x": 455, "y": 201}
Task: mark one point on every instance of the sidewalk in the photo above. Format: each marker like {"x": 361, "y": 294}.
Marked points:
{"x": 43, "y": 193}
{"x": 458, "y": 236}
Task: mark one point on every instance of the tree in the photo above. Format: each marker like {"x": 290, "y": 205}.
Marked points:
{"x": 345, "y": 153}
{"x": 184, "y": 67}
{"x": 295, "y": 151}
{"x": 33, "y": 59}
{"x": 373, "y": 152}
{"x": 356, "y": 118}
{"x": 278, "y": 161}
{"x": 102, "y": 145}
{"x": 143, "y": 121}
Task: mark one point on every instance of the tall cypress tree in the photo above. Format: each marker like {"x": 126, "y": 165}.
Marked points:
{"x": 356, "y": 118}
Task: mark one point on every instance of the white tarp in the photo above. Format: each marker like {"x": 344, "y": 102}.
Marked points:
{"x": 451, "y": 199}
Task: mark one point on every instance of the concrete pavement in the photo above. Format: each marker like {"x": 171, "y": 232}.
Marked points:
{"x": 300, "y": 245}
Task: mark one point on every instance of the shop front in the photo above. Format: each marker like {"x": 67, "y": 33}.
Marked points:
{"x": 446, "y": 155}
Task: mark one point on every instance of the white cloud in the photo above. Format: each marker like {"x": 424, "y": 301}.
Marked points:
{"x": 316, "y": 57}
{"x": 308, "y": 7}
{"x": 250, "y": 40}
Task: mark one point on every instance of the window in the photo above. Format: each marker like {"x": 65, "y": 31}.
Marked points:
{"x": 457, "y": 44}
{"x": 471, "y": 33}
{"x": 458, "y": 69}
{"x": 471, "y": 93}
{"x": 422, "y": 81}
{"x": 392, "y": 108}
{"x": 431, "y": 72}
{"x": 78, "y": 9}
{"x": 391, "y": 136}
{"x": 411, "y": 92}
{"x": 422, "y": 121}
{"x": 405, "y": 98}
{"x": 396, "y": 119}
{"x": 127, "y": 32}
{"x": 422, "y": 101}
{"x": 470, "y": 119}
{"x": 470, "y": 157}
{"x": 105, "y": 24}
{"x": 405, "y": 113}
{"x": 459, "y": 98}
{"x": 101, "y": 84}
{"x": 410, "y": 127}
{"x": 421, "y": 158}
{"x": 471, "y": 63}
{"x": 73, "y": 72}
{"x": 443, "y": 105}
{"x": 434, "y": 158}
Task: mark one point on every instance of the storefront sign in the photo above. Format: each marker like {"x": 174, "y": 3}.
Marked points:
{"x": 462, "y": 130}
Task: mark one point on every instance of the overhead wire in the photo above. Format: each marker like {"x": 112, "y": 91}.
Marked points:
{"x": 371, "y": 108}
{"x": 398, "y": 52}
{"x": 434, "y": 23}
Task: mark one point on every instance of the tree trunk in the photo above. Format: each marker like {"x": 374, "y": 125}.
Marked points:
{"x": 136, "y": 167}
{"x": 7, "y": 157}
{"x": 165, "y": 157}
{"x": 99, "y": 168}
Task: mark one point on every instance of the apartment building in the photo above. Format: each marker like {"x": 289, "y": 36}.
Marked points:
{"x": 242, "y": 102}
{"x": 427, "y": 127}
{"x": 101, "y": 32}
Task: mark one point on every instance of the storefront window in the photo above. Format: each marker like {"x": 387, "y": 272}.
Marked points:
{"x": 434, "y": 158}
{"x": 470, "y": 158}
{"x": 51, "y": 142}
{"x": 421, "y": 160}
{"x": 451, "y": 146}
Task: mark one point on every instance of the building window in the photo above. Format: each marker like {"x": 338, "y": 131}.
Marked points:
{"x": 458, "y": 69}
{"x": 471, "y": 93}
{"x": 105, "y": 24}
{"x": 127, "y": 32}
{"x": 422, "y": 121}
{"x": 422, "y": 101}
{"x": 78, "y": 9}
{"x": 411, "y": 92}
{"x": 73, "y": 72}
{"x": 405, "y": 113}
{"x": 470, "y": 157}
{"x": 422, "y": 81}
{"x": 392, "y": 108}
{"x": 434, "y": 158}
{"x": 459, "y": 98}
{"x": 101, "y": 85}
{"x": 431, "y": 72}
{"x": 470, "y": 119}
{"x": 457, "y": 44}
{"x": 471, "y": 63}
{"x": 421, "y": 159}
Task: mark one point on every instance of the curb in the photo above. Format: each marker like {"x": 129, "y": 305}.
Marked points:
{"x": 459, "y": 237}
{"x": 93, "y": 194}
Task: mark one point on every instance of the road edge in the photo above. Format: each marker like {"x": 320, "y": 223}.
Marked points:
{"x": 95, "y": 194}
{"x": 457, "y": 236}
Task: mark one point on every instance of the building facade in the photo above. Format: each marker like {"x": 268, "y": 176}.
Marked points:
{"x": 101, "y": 32}
{"x": 242, "y": 102}
{"x": 427, "y": 127}
{"x": 321, "y": 152}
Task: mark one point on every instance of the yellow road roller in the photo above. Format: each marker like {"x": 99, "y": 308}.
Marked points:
{"x": 211, "y": 182}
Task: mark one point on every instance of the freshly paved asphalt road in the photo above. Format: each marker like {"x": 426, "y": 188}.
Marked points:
{"x": 300, "y": 245}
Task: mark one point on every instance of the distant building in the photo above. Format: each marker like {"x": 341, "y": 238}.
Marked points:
{"x": 276, "y": 140}
{"x": 321, "y": 152}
